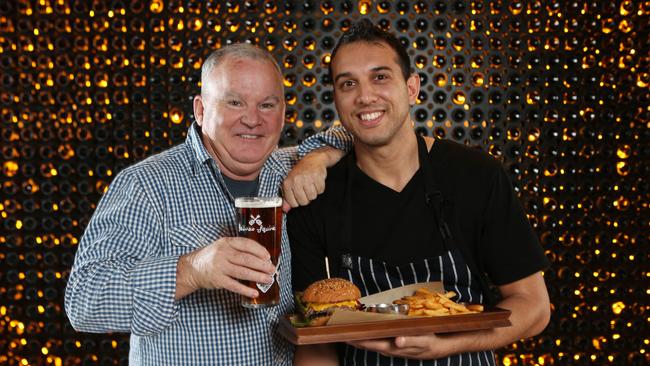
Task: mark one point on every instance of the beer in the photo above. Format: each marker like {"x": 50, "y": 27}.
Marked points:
{"x": 260, "y": 219}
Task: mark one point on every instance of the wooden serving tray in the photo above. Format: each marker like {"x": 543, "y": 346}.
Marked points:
{"x": 490, "y": 318}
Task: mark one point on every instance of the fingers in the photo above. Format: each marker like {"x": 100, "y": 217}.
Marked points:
{"x": 418, "y": 347}
{"x": 246, "y": 245}
{"x": 238, "y": 287}
{"x": 287, "y": 195}
{"x": 319, "y": 186}
{"x": 421, "y": 346}
{"x": 305, "y": 193}
{"x": 381, "y": 346}
{"x": 226, "y": 262}
{"x": 377, "y": 345}
{"x": 248, "y": 268}
{"x": 299, "y": 195}
{"x": 286, "y": 207}
{"x": 246, "y": 253}
{"x": 305, "y": 182}
{"x": 401, "y": 342}
{"x": 230, "y": 273}
{"x": 314, "y": 190}
{"x": 415, "y": 341}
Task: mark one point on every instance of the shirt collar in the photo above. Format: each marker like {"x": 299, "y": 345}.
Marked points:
{"x": 195, "y": 142}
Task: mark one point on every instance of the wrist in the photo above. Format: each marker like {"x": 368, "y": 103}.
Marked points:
{"x": 185, "y": 282}
{"x": 329, "y": 155}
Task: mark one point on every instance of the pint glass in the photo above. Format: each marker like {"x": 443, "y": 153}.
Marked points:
{"x": 260, "y": 219}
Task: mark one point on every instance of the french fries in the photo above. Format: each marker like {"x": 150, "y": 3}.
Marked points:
{"x": 427, "y": 303}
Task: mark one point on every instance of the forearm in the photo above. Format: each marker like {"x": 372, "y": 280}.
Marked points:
{"x": 527, "y": 299}
{"x": 327, "y": 155}
{"x": 526, "y": 322}
{"x": 184, "y": 281}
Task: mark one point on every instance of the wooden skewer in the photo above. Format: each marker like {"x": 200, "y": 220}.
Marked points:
{"x": 327, "y": 267}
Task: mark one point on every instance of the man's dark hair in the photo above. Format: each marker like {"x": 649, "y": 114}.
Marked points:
{"x": 364, "y": 31}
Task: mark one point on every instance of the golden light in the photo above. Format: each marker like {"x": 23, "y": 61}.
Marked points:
{"x": 618, "y": 307}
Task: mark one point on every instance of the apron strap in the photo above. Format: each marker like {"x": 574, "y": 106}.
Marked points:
{"x": 339, "y": 250}
{"x": 439, "y": 206}
{"x": 433, "y": 197}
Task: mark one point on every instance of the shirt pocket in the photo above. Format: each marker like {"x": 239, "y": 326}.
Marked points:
{"x": 195, "y": 236}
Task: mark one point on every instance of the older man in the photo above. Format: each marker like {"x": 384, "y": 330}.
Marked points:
{"x": 161, "y": 258}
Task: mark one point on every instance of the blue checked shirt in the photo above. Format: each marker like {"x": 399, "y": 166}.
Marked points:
{"x": 124, "y": 275}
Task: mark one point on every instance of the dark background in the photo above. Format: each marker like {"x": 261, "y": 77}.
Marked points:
{"x": 556, "y": 90}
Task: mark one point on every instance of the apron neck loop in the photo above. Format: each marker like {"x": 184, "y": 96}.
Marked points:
{"x": 343, "y": 259}
{"x": 433, "y": 199}
{"x": 432, "y": 195}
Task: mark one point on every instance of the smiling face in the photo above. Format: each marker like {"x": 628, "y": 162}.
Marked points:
{"x": 372, "y": 98}
{"x": 241, "y": 114}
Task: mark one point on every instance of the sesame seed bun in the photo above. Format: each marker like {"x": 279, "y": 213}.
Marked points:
{"x": 331, "y": 290}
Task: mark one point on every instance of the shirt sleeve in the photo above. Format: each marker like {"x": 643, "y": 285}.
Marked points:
{"x": 510, "y": 248}
{"x": 336, "y": 137}
{"x": 307, "y": 247}
{"x": 119, "y": 280}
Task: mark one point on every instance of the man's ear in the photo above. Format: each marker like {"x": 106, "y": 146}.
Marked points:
{"x": 198, "y": 109}
{"x": 413, "y": 88}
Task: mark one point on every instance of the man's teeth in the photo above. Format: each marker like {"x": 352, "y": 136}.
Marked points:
{"x": 249, "y": 136}
{"x": 370, "y": 116}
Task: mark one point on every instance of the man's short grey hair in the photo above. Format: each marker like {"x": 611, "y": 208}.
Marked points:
{"x": 236, "y": 51}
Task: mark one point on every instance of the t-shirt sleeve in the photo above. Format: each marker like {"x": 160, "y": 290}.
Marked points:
{"x": 509, "y": 246}
{"x": 307, "y": 247}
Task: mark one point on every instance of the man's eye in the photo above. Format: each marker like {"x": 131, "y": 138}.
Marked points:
{"x": 268, "y": 105}
{"x": 347, "y": 84}
{"x": 381, "y": 77}
{"x": 235, "y": 103}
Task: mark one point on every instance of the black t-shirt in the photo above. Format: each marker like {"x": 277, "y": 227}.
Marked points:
{"x": 384, "y": 220}
{"x": 397, "y": 228}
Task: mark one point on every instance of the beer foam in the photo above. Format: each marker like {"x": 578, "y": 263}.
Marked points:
{"x": 258, "y": 202}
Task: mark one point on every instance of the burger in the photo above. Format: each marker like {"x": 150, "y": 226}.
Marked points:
{"x": 321, "y": 298}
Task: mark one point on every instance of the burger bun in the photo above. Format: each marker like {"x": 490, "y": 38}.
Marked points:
{"x": 331, "y": 290}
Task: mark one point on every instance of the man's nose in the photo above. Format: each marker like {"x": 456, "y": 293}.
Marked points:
{"x": 366, "y": 94}
{"x": 251, "y": 118}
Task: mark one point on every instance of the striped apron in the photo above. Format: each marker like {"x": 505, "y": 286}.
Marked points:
{"x": 372, "y": 276}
